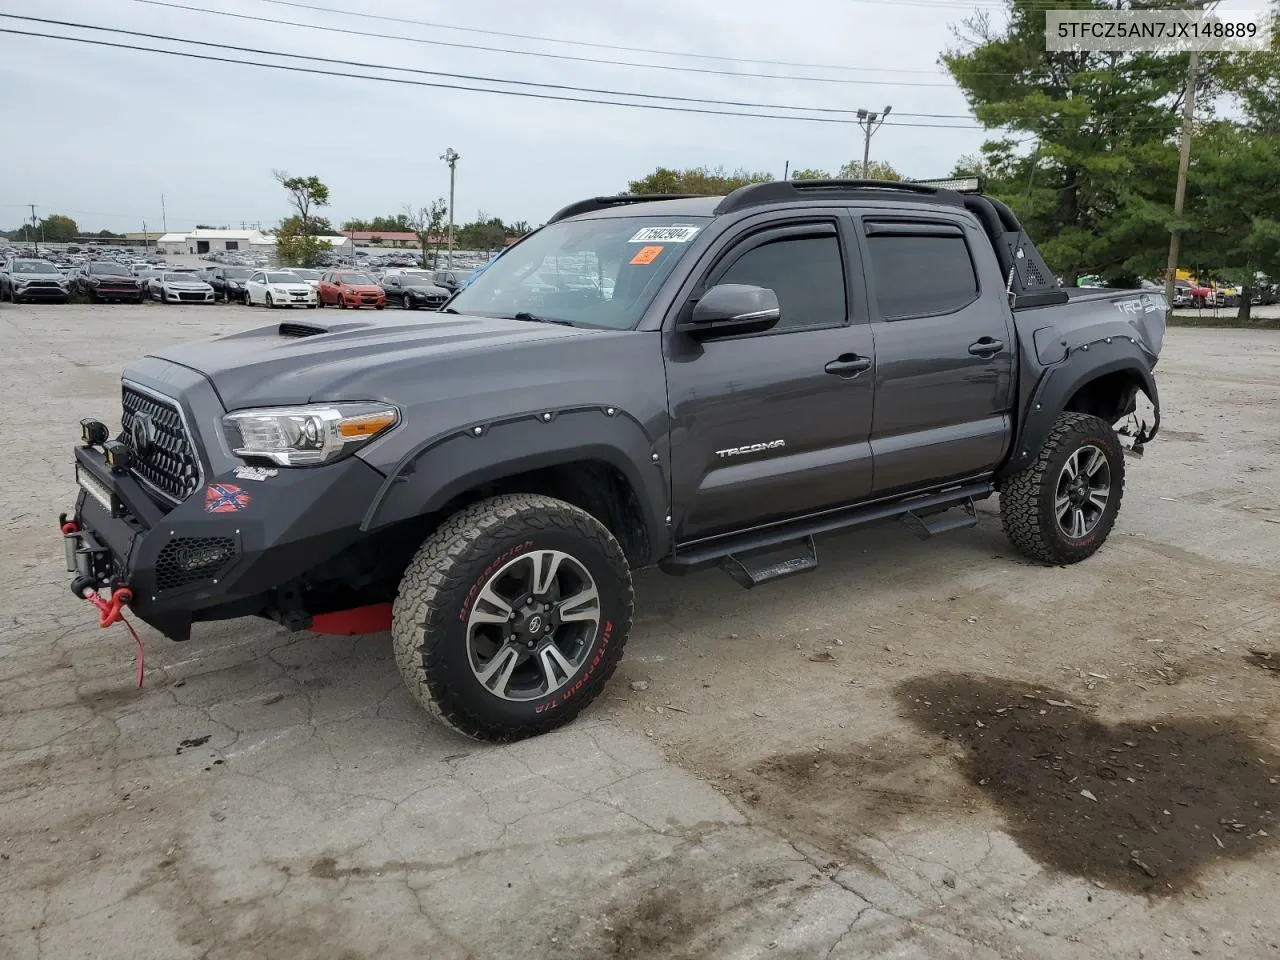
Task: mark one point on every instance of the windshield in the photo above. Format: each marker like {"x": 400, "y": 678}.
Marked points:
{"x": 353, "y": 278}
{"x": 592, "y": 273}
{"x": 283, "y": 278}
{"x": 110, "y": 270}
{"x": 33, "y": 266}
{"x": 237, "y": 273}
{"x": 417, "y": 280}
{"x": 306, "y": 274}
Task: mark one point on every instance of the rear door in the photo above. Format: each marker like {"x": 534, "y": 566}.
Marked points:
{"x": 944, "y": 349}
{"x": 774, "y": 424}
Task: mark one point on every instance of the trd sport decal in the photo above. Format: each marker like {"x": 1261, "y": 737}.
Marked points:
{"x": 225, "y": 498}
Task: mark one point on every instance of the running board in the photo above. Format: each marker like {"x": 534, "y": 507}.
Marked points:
{"x": 705, "y": 553}
{"x": 955, "y": 518}
{"x": 764, "y": 566}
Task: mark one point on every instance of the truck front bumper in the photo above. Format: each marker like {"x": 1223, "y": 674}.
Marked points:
{"x": 222, "y": 551}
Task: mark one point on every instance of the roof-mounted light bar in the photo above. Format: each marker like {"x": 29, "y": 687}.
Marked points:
{"x": 976, "y": 184}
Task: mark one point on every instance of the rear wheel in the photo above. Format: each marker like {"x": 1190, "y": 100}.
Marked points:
{"x": 512, "y": 616}
{"x": 1061, "y": 508}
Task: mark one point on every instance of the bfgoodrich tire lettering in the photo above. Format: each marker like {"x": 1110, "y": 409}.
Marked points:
{"x": 441, "y": 590}
{"x": 1032, "y": 501}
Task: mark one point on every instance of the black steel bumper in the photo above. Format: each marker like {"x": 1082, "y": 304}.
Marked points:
{"x": 219, "y": 553}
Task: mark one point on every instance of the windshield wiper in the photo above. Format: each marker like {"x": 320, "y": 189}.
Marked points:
{"x": 525, "y": 315}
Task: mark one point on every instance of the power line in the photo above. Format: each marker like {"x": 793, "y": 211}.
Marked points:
{"x": 464, "y": 76}
{"x": 449, "y": 86}
{"x": 577, "y": 43}
{"x": 542, "y": 54}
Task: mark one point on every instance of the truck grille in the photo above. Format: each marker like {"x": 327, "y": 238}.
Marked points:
{"x": 172, "y": 467}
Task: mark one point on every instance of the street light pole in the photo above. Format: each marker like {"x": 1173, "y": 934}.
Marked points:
{"x": 451, "y": 157}
{"x": 867, "y": 121}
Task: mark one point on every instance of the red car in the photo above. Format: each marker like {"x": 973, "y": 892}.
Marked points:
{"x": 343, "y": 288}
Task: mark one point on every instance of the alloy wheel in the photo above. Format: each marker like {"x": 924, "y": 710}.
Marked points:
{"x": 1084, "y": 486}
{"x": 533, "y": 625}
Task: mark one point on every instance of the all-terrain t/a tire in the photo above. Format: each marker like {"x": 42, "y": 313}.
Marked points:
{"x": 1061, "y": 507}
{"x": 512, "y": 617}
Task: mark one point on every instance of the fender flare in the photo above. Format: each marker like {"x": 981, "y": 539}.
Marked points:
{"x": 446, "y": 466}
{"x": 1062, "y": 381}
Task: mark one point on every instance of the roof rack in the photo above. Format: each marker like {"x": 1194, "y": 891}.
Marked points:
{"x": 782, "y": 191}
{"x": 604, "y": 203}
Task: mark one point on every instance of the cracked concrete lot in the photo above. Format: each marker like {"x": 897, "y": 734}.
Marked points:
{"x": 922, "y": 750}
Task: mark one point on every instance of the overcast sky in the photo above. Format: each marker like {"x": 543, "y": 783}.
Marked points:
{"x": 101, "y": 133}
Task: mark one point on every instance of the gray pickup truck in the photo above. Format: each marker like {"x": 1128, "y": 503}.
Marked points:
{"x": 743, "y": 375}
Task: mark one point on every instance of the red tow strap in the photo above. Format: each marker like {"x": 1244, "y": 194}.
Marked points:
{"x": 109, "y": 610}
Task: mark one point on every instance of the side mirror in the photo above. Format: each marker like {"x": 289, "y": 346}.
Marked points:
{"x": 731, "y": 309}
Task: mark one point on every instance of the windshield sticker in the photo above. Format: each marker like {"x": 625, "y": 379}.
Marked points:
{"x": 646, "y": 255}
{"x": 672, "y": 234}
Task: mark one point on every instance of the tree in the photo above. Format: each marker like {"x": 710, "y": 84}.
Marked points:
{"x": 304, "y": 193}
{"x": 57, "y": 229}
{"x": 876, "y": 170}
{"x": 1095, "y": 190}
{"x": 484, "y": 233}
{"x": 810, "y": 174}
{"x": 1231, "y": 231}
{"x": 355, "y": 226}
{"x": 295, "y": 247}
{"x": 425, "y": 222}
{"x": 699, "y": 180}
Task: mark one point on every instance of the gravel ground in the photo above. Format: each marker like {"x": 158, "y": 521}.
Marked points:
{"x": 922, "y": 750}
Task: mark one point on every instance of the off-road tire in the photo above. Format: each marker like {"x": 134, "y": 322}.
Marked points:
{"x": 430, "y": 614}
{"x": 1027, "y": 498}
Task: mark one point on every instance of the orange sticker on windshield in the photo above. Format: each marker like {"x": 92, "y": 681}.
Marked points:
{"x": 646, "y": 255}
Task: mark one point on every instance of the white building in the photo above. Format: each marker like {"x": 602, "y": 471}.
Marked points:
{"x": 202, "y": 241}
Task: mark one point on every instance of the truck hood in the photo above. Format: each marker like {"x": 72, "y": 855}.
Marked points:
{"x": 304, "y": 361}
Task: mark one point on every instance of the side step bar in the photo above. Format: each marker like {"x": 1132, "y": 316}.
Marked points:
{"x": 751, "y": 570}
{"x": 735, "y": 552}
{"x": 953, "y": 518}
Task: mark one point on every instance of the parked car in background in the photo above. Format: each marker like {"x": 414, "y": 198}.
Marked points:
{"x": 414, "y": 290}
{"x": 451, "y": 280}
{"x": 105, "y": 280}
{"x": 174, "y": 287}
{"x": 343, "y": 288}
{"x": 278, "y": 288}
{"x": 228, "y": 283}
{"x": 311, "y": 276}
{"x": 1182, "y": 293}
{"x": 24, "y": 279}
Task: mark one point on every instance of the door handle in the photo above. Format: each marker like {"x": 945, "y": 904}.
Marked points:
{"x": 986, "y": 347}
{"x": 848, "y": 365}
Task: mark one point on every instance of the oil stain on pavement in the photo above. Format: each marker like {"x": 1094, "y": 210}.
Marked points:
{"x": 1142, "y": 806}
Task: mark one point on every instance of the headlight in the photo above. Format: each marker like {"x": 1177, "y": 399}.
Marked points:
{"x": 308, "y": 435}
{"x": 280, "y": 291}
{"x": 94, "y": 281}
{"x": 233, "y": 284}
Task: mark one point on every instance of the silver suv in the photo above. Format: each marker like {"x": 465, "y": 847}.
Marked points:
{"x": 28, "y": 279}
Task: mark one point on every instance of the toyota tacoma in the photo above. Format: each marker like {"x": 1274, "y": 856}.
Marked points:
{"x": 744, "y": 375}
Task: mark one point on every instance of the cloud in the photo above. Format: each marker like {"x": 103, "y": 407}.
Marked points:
{"x": 108, "y": 131}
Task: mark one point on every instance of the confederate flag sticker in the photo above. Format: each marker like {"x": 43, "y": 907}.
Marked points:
{"x": 225, "y": 498}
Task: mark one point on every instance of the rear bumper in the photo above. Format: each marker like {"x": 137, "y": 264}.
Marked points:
{"x": 221, "y": 552}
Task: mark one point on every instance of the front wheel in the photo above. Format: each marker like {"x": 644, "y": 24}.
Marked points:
{"x": 512, "y": 617}
{"x": 1061, "y": 507}
{"x": 270, "y": 303}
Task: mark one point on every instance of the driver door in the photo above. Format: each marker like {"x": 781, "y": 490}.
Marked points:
{"x": 776, "y": 424}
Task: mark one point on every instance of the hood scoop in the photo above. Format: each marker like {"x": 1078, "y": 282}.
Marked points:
{"x": 295, "y": 329}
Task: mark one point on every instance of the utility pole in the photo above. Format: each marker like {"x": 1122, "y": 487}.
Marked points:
{"x": 34, "y": 239}
{"x": 164, "y": 220}
{"x": 146, "y": 240}
{"x": 1184, "y": 161}
{"x": 451, "y": 157}
{"x": 867, "y": 121}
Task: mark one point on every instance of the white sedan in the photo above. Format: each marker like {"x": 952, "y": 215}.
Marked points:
{"x": 171, "y": 287}
{"x": 278, "y": 288}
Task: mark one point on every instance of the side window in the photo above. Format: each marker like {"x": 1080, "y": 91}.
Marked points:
{"x": 806, "y": 273}
{"x": 922, "y": 275}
